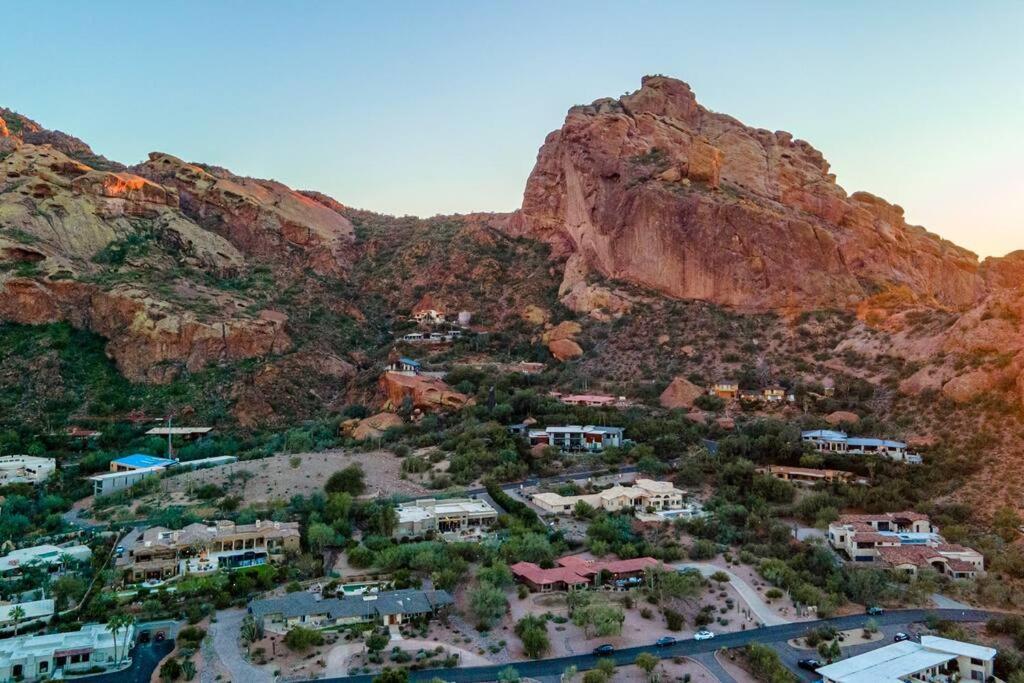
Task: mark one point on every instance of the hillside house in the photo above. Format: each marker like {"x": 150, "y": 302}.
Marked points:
{"x": 405, "y": 366}
{"x": 644, "y": 494}
{"x": 451, "y": 518}
{"x": 773, "y": 394}
{"x": 808, "y": 475}
{"x": 905, "y": 541}
{"x": 575, "y": 438}
{"x": 726, "y": 389}
{"x": 429, "y": 316}
{"x": 25, "y": 469}
{"x": 589, "y": 400}
{"x": 833, "y": 441}
{"x": 202, "y": 549}
{"x": 128, "y": 471}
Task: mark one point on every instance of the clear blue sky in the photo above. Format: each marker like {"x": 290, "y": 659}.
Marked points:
{"x": 440, "y": 107}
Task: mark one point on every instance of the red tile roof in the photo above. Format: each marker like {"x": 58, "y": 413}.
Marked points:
{"x": 540, "y": 577}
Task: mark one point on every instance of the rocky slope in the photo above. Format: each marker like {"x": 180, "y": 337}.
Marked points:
{"x": 655, "y": 190}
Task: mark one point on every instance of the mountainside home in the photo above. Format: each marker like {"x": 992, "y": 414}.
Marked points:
{"x": 642, "y": 495}
{"x": 832, "y": 441}
{"x": 575, "y": 572}
{"x": 574, "y": 438}
{"x": 56, "y": 656}
{"x": 934, "y": 659}
{"x": 727, "y": 389}
{"x": 280, "y": 614}
{"x": 451, "y": 518}
{"x": 904, "y": 541}
{"x": 25, "y": 469}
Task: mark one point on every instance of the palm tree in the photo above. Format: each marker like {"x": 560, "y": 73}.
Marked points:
{"x": 65, "y": 561}
{"x": 117, "y": 622}
{"x": 17, "y": 614}
{"x": 129, "y": 628}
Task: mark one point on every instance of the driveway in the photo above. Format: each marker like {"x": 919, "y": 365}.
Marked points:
{"x": 225, "y": 632}
{"x": 145, "y": 659}
{"x": 765, "y": 614}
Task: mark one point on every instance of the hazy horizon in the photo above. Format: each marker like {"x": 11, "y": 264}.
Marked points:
{"x": 409, "y": 109}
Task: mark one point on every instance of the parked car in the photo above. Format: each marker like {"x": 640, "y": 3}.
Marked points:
{"x": 900, "y": 637}
{"x": 875, "y": 610}
{"x": 665, "y": 641}
{"x": 809, "y": 664}
{"x": 604, "y": 650}
{"x": 703, "y": 634}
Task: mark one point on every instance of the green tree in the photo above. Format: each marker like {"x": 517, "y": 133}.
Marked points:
{"x": 509, "y": 675}
{"x": 377, "y": 641}
{"x": 488, "y": 605}
{"x": 389, "y": 675}
{"x": 647, "y": 662}
{"x": 599, "y": 619}
{"x": 300, "y": 639}
{"x": 533, "y": 632}
{"x": 319, "y": 536}
{"x": 170, "y": 670}
{"x": 350, "y": 480}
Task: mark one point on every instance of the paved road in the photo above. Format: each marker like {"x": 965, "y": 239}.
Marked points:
{"x": 145, "y": 659}
{"x": 224, "y": 633}
{"x": 689, "y": 648}
{"x": 711, "y": 663}
{"x": 765, "y": 614}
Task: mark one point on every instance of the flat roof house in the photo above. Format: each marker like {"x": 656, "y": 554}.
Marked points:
{"x": 50, "y": 556}
{"x": 56, "y": 655}
{"x": 36, "y": 610}
{"x": 453, "y": 518}
{"x": 933, "y": 659}
{"x": 832, "y": 441}
{"x": 202, "y": 549}
{"x": 139, "y": 461}
{"x": 726, "y": 388}
{"x": 578, "y": 437}
{"x": 25, "y": 469}
{"x": 808, "y": 475}
{"x": 643, "y": 494}
{"x": 405, "y": 366}
{"x": 309, "y": 610}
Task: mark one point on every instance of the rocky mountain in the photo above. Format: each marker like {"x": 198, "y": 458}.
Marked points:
{"x": 183, "y": 266}
{"x": 656, "y": 190}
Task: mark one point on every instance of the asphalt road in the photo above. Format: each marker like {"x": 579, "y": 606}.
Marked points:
{"x": 625, "y": 656}
{"x": 145, "y": 659}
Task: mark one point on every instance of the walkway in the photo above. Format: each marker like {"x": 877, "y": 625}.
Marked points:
{"x": 225, "y": 633}
{"x": 764, "y": 613}
{"x": 710, "y": 662}
{"x": 942, "y": 602}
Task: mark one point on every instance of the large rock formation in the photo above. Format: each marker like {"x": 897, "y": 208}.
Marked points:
{"x": 681, "y": 393}
{"x": 424, "y": 393}
{"x": 655, "y": 190}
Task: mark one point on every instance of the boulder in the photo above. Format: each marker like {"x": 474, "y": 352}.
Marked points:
{"x": 842, "y": 417}
{"x": 535, "y": 315}
{"x": 425, "y": 393}
{"x": 374, "y": 426}
{"x": 681, "y": 393}
{"x": 564, "y": 349}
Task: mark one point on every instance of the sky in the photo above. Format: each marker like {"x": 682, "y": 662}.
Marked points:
{"x": 440, "y": 107}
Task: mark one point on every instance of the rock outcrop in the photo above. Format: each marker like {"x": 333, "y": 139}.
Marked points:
{"x": 262, "y": 218}
{"x": 424, "y": 393}
{"x": 681, "y": 393}
{"x": 655, "y": 190}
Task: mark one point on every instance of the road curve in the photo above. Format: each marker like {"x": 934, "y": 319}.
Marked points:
{"x": 625, "y": 656}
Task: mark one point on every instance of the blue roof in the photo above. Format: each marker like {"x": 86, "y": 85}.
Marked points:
{"x": 408, "y": 361}
{"x": 142, "y": 460}
{"x": 825, "y": 434}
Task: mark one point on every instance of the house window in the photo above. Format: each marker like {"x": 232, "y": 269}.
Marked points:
{"x": 977, "y": 662}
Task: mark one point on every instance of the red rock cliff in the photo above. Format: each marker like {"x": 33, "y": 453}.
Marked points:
{"x": 655, "y": 190}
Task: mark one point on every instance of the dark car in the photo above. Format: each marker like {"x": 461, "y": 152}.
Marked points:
{"x": 875, "y": 610}
{"x": 665, "y": 641}
{"x": 604, "y": 650}
{"x": 809, "y": 664}
{"x": 900, "y": 637}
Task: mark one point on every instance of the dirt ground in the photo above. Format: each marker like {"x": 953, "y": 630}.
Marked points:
{"x": 669, "y": 670}
{"x": 275, "y": 478}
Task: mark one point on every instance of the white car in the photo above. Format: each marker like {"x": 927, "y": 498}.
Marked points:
{"x": 703, "y": 634}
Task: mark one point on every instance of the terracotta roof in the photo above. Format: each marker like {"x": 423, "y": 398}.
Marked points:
{"x": 884, "y": 517}
{"x": 917, "y": 555}
{"x": 584, "y": 566}
{"x": 534, "y": 574}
